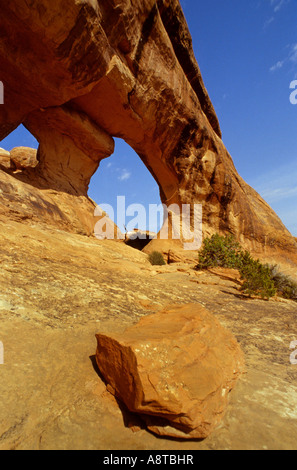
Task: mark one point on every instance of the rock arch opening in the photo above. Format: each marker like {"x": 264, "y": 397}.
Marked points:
{"x": 124, "y": 188}
{"x": 20, "y": 137}
{"x": 18, "y": 151}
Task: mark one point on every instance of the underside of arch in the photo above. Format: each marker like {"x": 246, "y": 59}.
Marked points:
{"x": 116, "y": 68}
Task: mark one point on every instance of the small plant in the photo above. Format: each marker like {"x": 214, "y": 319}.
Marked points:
{"x": 227, "y": 253}
{"x": 285, "y": 286}
{"x": 156, "y": 259}
{"x": 219, "y": 251}
{"x": 257, "y": 279}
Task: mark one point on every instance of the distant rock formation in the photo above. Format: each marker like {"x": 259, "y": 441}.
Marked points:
{"x": 139, "y": 239}
{"x": 23, "y": 158}
{"x": 19, "y": 158}
{"x": 78, "y": 73}
{"x": 175, "y": 368}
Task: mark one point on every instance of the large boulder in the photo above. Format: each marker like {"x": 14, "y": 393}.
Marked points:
{"x": 24, "y": 157}
{"x": 174, "y": 368}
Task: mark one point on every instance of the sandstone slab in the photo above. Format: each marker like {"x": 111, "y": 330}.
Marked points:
{"x": 51, "y": 284}
{"x": 174, "y": 368}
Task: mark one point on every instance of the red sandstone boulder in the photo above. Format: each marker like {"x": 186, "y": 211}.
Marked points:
{"x": 174, "y": 368}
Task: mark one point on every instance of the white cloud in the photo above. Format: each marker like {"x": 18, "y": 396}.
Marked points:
{"x": 278, "y": 194}
{"x": 290, "y": 58}
{"x": 277, "y": 66}
{"x": 125, "y": 175}
{"x": 293, "y": 54}
{"x": 278, "y": 4}
{"x": 279, "y": 183}
{"x": 268, "y": 22}
{"x": 278, "y": 188}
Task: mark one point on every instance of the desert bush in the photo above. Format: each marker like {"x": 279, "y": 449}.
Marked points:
{"x": 156, "y": 258}
{"x": 220, "y": 251}
{"x": 285, "y": 286}
{"x": 256, "y": 278}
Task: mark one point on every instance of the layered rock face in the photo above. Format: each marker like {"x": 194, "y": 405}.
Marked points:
{"x": 78, "y": 73}
{"x": 174, "y": 368}
{"x": 5, "y": 161}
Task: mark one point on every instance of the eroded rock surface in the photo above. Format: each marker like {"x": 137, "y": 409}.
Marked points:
{"x": 123, "y": 69}
{"x": 77, "y": 73}
{"x": 58, "y": 289}
{"x": 5, "y": 161}
{"x": 23, "y": 157}
{"x": 24, "y": 198}
{"x": 175, "y": 368}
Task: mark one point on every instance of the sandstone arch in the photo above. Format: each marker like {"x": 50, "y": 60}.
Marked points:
{"x": 78, "y": 73}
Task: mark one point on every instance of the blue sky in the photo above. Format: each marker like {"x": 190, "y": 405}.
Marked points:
{"x": 247, "y": 53}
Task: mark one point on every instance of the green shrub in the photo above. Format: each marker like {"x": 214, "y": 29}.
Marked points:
{"x": 257, "y": 279}
{"x": 156, "y": 258}
{"x": 285, "y": 286}
{"x": 219, "y": 251}
{"x": 226, "y": 252}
